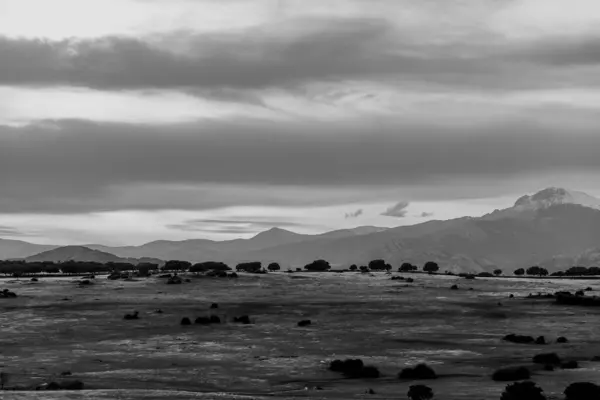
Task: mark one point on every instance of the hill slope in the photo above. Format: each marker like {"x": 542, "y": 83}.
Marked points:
{"x": 74, "y": 253}
{"x": 10, "y": 249}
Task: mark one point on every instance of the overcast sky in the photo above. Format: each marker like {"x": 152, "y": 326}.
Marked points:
{"x": 125, "y": 121}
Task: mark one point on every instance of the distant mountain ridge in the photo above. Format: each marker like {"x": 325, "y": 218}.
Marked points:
{"x": 552, "y": 224}
{"x": 82, "y": 253}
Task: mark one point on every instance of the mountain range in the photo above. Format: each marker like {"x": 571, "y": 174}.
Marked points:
{"x": 555, "y": 227}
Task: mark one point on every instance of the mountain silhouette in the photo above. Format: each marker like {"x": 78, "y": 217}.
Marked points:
{"x": 553, "y": 226}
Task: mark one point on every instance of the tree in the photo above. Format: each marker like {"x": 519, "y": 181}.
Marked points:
{"x": 353, "y": 267}
{"x": 253, "y": 267}
{"x": 519, "y": 272}
{"x": 431, "y": 266}
{"x": 497, "y": 272}
{"x": 318, "y": 265}
{"x": 209, "y": 266}
{"x": 145, "y": 268}
{"x": 535, "y": 270}
{"x": 406, "y": 267}
{"x": 176, "y": 265}
{"x": 377, "y": 265}
{"x": 273, "y": 267}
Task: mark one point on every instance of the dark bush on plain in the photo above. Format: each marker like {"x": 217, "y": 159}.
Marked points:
{"x": 420, "y": 392}
{"x": 570, "y": 365}
{"x": 244, "y": 319}
{"x": 523, "y": 339}
{"x": 511, "y": 374}
{"x": 582, "y": 391}
{"x": 523, "y": 391}
{"x": 354, "y": 368}
{"x": 421, "y": 371}
{"x": 547, "y": 358}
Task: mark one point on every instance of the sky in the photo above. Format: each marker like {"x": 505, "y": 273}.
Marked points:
{"x": 127, "y": 121}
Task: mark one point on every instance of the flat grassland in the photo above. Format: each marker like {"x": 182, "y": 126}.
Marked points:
{"x": 56, "y": 325}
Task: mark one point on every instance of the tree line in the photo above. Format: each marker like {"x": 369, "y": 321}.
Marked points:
{"x": 23, "y": 268}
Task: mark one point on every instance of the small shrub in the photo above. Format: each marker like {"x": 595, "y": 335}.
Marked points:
{"x": 582, "y": 391}
{"x": 419, "y": 392}
{"x": 511, "y": 374}
{"x": 523, "y": 391}
{"x": 421, "y": 371}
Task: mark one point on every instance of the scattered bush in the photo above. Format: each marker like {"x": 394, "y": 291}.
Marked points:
{"x": 523, "y": 391}
{"x": 420, "y": 392}
{"x": 174, "y": 280}
{"x": 511, "y": 374}
{"x": 421, "y": 371}
{"x": 132, "y": 316}
{"x": 547, "y": 358}
{"x": 354, "y": 368}
{"x": 518, "y": 339}
{"x": 6, "y": 294}
{"x": 305, "y": 322}
{"x": 570, "y": 365}
{"x": 582, "y": 391}
{"x": 244, "y": 319}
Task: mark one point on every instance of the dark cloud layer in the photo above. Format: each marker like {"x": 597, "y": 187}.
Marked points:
{"x": 319, "y": 50}
{"x": 96, "y": 167}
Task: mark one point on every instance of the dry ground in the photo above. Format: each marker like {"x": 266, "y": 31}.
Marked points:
{"x": 55, "y": 325}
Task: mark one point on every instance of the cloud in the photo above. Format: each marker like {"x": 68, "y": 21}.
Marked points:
{"x": 298, "y": 51}
{"x": 426, "y": 214}
{"x": 256, "y": 58}
{"x": 399, "y": 210}
{"x": 354, "y": 214}
{"x": 81, "y": 167}
{"x": 14, "y": 232}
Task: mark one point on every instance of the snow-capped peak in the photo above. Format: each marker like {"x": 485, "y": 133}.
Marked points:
{"x": 554, "y": 196}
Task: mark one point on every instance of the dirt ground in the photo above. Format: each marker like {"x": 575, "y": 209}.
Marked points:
{"x": 56, "y": 325}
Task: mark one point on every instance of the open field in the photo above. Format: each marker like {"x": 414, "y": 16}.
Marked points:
{"x": 55, "y": 325}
